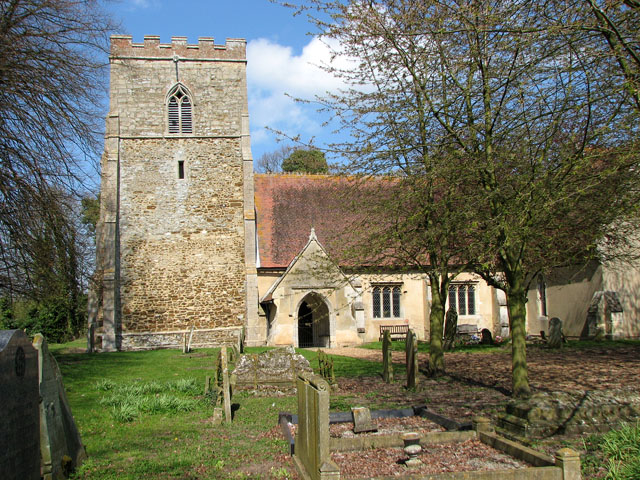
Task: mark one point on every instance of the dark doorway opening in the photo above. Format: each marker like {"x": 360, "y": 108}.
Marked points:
{"x": 313, "y": 322}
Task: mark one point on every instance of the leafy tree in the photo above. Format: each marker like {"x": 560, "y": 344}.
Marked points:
{"x": 271, "y": 162}
{"x": 90, "y": 212}
{"x": 497, "y": 105}
{"x": 306, "y": 161}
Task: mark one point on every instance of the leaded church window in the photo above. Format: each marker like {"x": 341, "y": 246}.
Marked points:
{"x": 386, "y": 301}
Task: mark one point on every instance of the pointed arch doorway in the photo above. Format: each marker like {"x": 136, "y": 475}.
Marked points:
{"x": 313, "y": 322}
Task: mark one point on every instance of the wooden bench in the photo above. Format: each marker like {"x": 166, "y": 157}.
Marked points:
{"x": 398, "y": 332}
{"x": 467, "y": 329}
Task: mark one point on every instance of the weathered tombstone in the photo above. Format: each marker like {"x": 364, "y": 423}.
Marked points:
{"x": 226, "y": 387}
{"x": 450, "y": 329}
{"x": 222, "y": 384}
{"x": 487, "y": 338}
{"x": 19, "y": 399}
{"x": 61, "y": 448}
{"x": 412, "y": 362}
{"x": 312, "y": 457}
{"x": 387, "y": 366}
{"x": 362, "y": 420}
{"x": 274, "y": 369}
{"x": 555, "y": 333}
{"x": 407, "y": 344}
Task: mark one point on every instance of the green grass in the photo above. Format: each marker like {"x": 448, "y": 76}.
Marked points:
{"x": 423, "y": 347}
{"x": 143, "y": 415}
{"x": 618, "y": 451}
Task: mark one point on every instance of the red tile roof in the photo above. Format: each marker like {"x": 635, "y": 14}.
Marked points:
{"x": 289, "y": 205}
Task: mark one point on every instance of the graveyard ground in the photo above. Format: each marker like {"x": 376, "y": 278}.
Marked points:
{"x": 142, "y": 415}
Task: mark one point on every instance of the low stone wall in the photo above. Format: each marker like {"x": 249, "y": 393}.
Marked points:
{"x": 205, "y": 338}
{"x": 550, "y": 413}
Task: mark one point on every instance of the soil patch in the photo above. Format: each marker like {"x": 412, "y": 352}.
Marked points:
{"x": 459, "y": 457}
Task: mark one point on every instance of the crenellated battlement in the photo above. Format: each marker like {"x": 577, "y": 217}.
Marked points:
{"x": 122, "y": 46}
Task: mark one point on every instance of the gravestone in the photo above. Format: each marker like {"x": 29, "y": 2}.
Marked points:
{"x": 313, "y": 457}
{"x": 450, "y": 329}
{"x": 555, "y": 333}
{"x": 362, "y": 420}
{"x": 412, "y": 361}
{"x": 60, "y": 444}
{"x": 19, "y": 407}
{"x": 275, "y": 369}
{"x": 487, "y": 338}
{"x": 407, "y": 344}
{"x": 387, "y": 366}
{"x": 224, "y": 383}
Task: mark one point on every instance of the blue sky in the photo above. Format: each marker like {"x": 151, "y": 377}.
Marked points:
{"x": 281, "y": 56}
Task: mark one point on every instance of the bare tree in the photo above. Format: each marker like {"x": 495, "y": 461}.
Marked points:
{"x": 271, "y": 162}
{"x": 530, "y": 113}
{"x": 52, "y": 82}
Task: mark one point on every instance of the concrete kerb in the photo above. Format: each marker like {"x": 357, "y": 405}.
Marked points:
{"x": 565, "y": 466}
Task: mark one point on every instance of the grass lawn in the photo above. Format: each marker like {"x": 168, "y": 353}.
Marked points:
{"x": 143, "y": 415}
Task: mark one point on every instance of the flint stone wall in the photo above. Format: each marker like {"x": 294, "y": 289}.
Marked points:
{"x": 549, "y": 413}
{"x": 19, "y": 407}
{"x": 176, "y": 254}
{"x": 275, "y": 368}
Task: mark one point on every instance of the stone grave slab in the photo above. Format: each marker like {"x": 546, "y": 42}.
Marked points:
{"x": 362, "y": 421}
{"x": 277, "y": 368}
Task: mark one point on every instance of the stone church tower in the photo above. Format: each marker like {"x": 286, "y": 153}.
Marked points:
{"x": 176, "y": 236}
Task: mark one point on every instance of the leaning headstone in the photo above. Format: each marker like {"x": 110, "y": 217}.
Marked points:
{"x": 555, "y": 333}
{"x": 450, "y": 329}
{"x": 362, "y": 420}
{"x": 19, "y": 399}
{"x": 387, "y": 366}
{"x": 190, "y": 338}
{"x": 61, "y": 448}
{"x": 412, "y": 362}
{"x": 487, "y": 338}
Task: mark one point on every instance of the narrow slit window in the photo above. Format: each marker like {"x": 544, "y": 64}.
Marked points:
{"x": 180, "y": 111}
{"x": 181, "y": 169}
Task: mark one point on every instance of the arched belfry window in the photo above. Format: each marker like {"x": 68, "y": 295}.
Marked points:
{"x": 180, "y": 110}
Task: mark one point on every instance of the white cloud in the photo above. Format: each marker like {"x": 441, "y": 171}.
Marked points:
{"x": 274, "y": 75}
{"x": 136, "y": 4}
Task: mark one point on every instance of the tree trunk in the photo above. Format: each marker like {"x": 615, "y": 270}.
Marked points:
{"x": 516, "y": 303}
{"x": 436, "y": 322}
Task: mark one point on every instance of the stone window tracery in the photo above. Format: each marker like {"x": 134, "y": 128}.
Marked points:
{"x": 179, "y": 108}
{"x": 386, "y": 301}
{"x": 463, "y": 297}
